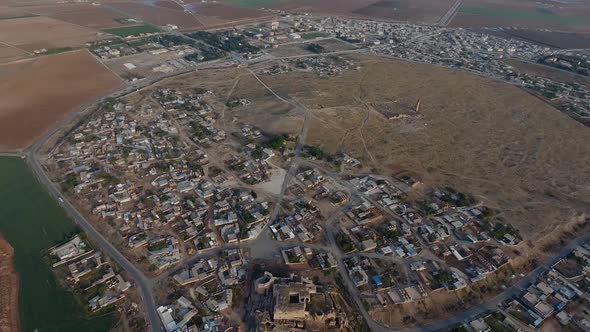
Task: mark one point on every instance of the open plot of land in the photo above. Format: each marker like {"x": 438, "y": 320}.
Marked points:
{"x": 9, "y": 12}
{"x": 549, "y": 72}
{"x": 525, "y": 14}
{"x": 399, "y": 10}
{"x": 37, "y": 93}
{"x": 484, "y": 137}
{"x": 156, "y": 15}
{"x": 135, "y": 30}
{"x": 291, "y": 49}
{"x": 567, "y": 40}
{"x": 8, "y": 53}
{"x": 218, "y": 13}
{"x": 84, "y": 14}
{"x": 143, "y": 62}
{"x": 35, "y": 33}
{"x": 407, "y": 10}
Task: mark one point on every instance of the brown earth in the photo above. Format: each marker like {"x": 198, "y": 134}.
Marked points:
{"x": 343, "y": 7}
{"x": 36, "y": 94}
{"x": 511, "y": 150}
{"x": 551, "y": 73}
{"x": 427, "y": 11}
{"x": 8, "y": 53}
{"x": 223, "y": 12}
{"x": 566, "y": 40}
{"x": 8, "y": 289}
{"x": 7, "y": 12}
{"x": 573, "y": 9}
{"x": 83, "y": 14}
{"x": 34, "y": 33}
{"x": 158, "y": 15}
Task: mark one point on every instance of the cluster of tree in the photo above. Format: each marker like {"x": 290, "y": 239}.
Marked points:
{"x": 315, "y": 48}
{"x": 226, "y": 41}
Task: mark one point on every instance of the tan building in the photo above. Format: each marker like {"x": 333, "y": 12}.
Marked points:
{"x": 291, "y": 301}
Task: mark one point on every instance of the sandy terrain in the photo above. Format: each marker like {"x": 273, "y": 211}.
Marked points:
{"x": 8, "y": 289}
{"x": 35, "y": 94}
{"x": 494, "y": 140}
{"x": 34, "y": 33}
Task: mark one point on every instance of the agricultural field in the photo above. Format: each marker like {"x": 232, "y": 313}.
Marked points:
{"x": 157, "y": 15}
{"x": 398, "y": 10}
{"x": 8, "y": 53}
{"x": 133, "y": 30}
{"x": 565, "y": 40}
{"x": 427, "y": 11}
{"x": 83, "y": 14}
{"x": 475, "y": 134}
{"x": 570, "y": 17}
{"x": 253, "y": 3}
{"x": 10, "y": 12}
{"x": 34, "y": 33}
{"x": 561, "y": 76}
{"x": 219, "y": 13}
{"x": 35, "y": 94}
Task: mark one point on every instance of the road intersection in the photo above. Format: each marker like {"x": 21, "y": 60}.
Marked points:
{"x": 146, "y": 284}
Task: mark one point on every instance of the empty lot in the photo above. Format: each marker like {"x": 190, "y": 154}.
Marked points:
{"x": 570, "y": 17}
{"x": 35, "y": 94}
{"x": 33, "y": 33}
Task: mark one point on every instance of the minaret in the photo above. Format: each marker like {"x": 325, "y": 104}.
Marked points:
{"x": 418, "y": 106}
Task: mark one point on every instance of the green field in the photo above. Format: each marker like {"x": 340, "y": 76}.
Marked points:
{"x": 251, "y": 3}
{"x": 313, "y": 35}
{"x": 540, "y": 14}
{"x": 32, "y": 222}
{"x": 133, "y": 30}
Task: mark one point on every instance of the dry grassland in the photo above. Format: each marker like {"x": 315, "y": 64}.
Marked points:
{"x": 485, "y": 137}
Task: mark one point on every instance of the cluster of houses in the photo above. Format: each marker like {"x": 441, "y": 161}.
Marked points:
{"x": 549, "y": 295}
{"x": 131, "y": 166}
{"x": 447, "y": 239}
{"x": 299, "y": 223}
{"x": 89, "y": 273}
{"x": 209, "y": 283}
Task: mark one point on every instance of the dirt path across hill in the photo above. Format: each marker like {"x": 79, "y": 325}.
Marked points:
{"x": 8, "y": 289}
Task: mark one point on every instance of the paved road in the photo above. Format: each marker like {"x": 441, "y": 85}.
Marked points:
{"x": 145, "y": 285}
{"x": 141, "y": 281}
{"x": 450, "y": 14}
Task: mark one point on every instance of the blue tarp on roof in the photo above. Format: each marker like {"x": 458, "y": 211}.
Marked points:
{"x": 377, "y": 281}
